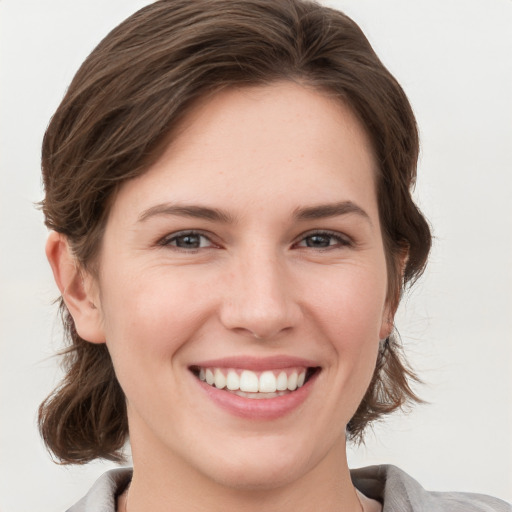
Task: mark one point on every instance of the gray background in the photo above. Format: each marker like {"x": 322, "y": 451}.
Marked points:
{"x": 454, "y": 59}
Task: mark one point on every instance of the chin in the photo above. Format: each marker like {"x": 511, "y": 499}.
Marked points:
{"x": 258, "y": 476}
{"x": 262, "y": 469}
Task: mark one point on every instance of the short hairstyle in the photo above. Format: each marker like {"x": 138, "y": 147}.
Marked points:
{"x": 117, "y": 117}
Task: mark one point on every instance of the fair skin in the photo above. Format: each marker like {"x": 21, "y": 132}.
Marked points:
{"x": 253, "y": 243}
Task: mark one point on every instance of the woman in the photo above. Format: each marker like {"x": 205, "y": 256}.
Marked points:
{"x": 228, "y": 188}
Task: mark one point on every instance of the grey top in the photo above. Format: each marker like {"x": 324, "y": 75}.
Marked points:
{"x": 391, "y": 486}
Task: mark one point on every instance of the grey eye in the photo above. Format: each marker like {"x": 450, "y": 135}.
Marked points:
{"x": 324, "y": 240}
{"x": 187, "y": 240}
{"x": 319, "y": 240}
{"x": 191, "y": 241}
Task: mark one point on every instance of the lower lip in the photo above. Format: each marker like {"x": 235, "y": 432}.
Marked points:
{"x": 258, "y": 409}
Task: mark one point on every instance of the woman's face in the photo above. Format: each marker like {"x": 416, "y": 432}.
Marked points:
{"x": 250, "y": 253}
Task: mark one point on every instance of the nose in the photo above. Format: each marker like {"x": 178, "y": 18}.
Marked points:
{"x": 259, "y": 298}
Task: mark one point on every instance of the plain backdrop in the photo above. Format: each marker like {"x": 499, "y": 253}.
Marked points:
{"x": 454, "y": 59}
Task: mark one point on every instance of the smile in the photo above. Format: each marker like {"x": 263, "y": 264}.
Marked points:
{"x": 255, "y": 384}
{"x": 257, "y": 388}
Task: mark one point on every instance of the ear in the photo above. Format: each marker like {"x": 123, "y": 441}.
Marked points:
{"x": 77, "y": 288}
{"x": 387, "y": 324}
{"x": 394, "y": 294}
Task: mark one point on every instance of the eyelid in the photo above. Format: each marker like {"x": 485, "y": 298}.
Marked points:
{"x": 166, "y": 240}
{"x": 344, "y": 240}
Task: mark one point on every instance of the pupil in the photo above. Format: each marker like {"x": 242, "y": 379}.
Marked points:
{"x": 318, "y": 241}
{"x": 188, "y": 241}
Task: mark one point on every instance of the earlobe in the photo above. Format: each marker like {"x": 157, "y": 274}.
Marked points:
{"x": 388, "y": 318}
{"x": 387, "y": 325}
{"x": 76, "y": 289}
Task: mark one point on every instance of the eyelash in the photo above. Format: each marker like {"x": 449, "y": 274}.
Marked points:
{"x": 341, "y": 240}
{"x": 167, "y": 240}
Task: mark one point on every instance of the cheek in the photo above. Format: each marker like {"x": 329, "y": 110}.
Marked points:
{"x": 350, "y": 311}
{"x": 352, "y": 304}
{"x": 148, "y": 320}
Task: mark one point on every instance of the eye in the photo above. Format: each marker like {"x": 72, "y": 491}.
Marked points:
{"x": 323, "y": 240}
{"x": 190, "y": 240}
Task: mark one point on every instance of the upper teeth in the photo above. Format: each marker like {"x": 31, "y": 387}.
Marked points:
{"x": 252, "y": 382}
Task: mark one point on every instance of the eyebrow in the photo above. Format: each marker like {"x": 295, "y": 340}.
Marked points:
{"x": 321, "y": 211}
{"x": 193, "y": 211}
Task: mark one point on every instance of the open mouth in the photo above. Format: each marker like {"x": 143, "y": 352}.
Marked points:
{"x": 256, "y": 385}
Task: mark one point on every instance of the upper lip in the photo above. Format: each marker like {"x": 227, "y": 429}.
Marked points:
{"x": 256, "y": 363}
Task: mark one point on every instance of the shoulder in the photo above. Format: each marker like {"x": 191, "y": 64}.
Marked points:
{"x": 401, "y": 493}
{"x": 103, "y": 494}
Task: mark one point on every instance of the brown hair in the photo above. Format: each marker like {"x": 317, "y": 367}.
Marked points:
{"x": 117, "y": 116}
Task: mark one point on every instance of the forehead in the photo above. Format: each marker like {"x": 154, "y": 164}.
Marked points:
{"x": 283, "y": 140}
